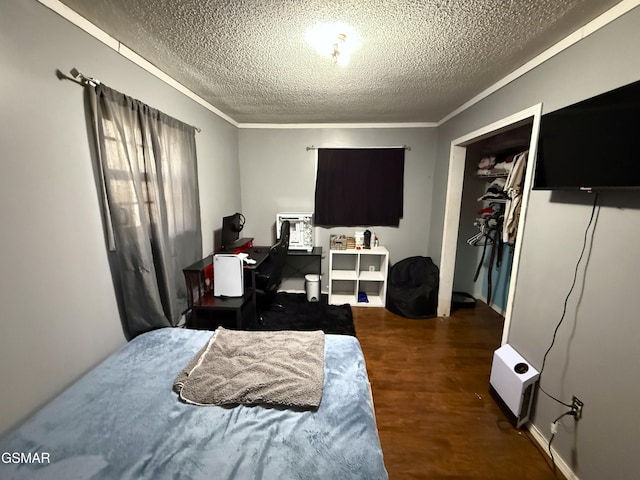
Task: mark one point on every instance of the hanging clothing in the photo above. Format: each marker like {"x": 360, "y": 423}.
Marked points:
{"x": 513, "y": 192}
{"x": 495, "y": 190}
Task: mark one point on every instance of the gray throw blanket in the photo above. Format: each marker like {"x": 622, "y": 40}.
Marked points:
{"x": 247, "y": 367}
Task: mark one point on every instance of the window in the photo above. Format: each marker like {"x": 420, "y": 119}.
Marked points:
{"x": 148, "y": 173}
{"x": 359, "y": 187}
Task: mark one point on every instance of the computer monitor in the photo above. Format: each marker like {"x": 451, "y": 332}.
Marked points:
{"x": 231, "y": 227}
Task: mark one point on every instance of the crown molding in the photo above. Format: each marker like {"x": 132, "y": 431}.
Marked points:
{"x": 591, "y": 27}
{"x": 571, "y": 39}
{"x": 338, "y": 125}
{"x": 82, "y": 23}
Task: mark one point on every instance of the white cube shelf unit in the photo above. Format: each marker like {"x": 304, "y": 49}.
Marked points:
{"x": 352, "y": 271}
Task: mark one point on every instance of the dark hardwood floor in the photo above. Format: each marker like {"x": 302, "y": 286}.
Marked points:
{"x": 430, "y": 381}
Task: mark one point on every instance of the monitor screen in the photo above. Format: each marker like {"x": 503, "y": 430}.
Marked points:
{"x": 593, "y": 144}
{"x": 231, "y": 227}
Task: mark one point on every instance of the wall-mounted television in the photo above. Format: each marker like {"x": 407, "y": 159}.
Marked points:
{"x": 591, "y": 145}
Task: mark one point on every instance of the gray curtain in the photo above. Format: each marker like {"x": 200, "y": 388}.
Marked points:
{"x": 147, "y": 170}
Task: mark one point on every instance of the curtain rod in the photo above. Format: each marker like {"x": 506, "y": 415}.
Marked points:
{"x": 82, "y": 79}
{"x": 312, "y": 147}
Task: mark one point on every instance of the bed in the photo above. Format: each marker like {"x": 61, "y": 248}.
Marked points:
{"x": 123, "y": 420}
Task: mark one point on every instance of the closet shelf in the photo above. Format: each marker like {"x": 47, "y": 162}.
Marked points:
{"x": 492, "y": 175}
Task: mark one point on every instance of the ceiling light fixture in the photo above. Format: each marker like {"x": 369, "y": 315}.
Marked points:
{"x": 334, "y": 40}
{"x": 336, "y": 47}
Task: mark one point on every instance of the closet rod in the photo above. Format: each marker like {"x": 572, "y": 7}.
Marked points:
{"x": 82, "y": 79}
{"x": 312, "y": 147}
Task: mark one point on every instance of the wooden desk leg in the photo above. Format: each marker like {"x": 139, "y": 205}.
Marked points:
{"x": 253, "y": 315}
{"x": 239, "y": 318}
{"x": 246, "y": 317}
{"x": 254, "y": 298}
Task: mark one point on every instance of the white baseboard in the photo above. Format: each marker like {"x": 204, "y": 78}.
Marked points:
{"x": 544, "y": 443}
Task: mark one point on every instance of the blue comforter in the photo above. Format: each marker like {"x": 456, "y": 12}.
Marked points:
{"x": 123, "y": 421}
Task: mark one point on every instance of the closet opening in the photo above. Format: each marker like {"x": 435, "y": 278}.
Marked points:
{"x": 490, "y": 207}
{"x": 483, "y": 223}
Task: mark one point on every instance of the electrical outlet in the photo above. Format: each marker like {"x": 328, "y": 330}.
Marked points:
{"x": 576, "y": 406}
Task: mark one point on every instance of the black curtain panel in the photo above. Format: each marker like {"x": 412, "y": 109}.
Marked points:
{"x": 359, "y": 187}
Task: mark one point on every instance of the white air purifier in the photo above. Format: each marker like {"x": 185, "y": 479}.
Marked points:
{"x": 512, "y": 383}
{"x": 228, "y": 275}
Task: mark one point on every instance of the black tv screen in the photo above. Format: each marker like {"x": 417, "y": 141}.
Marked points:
{"x": 591, "y": 145}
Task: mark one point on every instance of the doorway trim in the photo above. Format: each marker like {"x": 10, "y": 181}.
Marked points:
{"x": 455, "y": 181}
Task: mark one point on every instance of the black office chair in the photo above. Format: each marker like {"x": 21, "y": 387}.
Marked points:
{"x": 269, "y": 277}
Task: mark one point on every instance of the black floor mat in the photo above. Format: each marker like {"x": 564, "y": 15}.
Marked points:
{"x": 299, "y": 314}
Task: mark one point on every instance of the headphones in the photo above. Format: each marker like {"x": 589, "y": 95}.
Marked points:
{"x": 237, "y": 222}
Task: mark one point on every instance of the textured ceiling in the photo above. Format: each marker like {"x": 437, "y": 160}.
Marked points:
{"x": 417, "y": 62}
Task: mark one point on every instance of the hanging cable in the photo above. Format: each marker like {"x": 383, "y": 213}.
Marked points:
{"x": 566, "y": 300}
{"x": 554, "y": 430}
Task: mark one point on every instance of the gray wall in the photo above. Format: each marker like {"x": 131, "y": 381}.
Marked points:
{"x": 468, "y": 257}
{"x": 596, "y": 353}
{"x": 278, "y": 175}
{"x": 58, "y": 314}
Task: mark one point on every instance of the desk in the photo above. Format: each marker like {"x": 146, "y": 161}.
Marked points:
{"x": 297, "y": 265}
{"x": 229, "y": 312}
{"x": 199, "y": 278}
